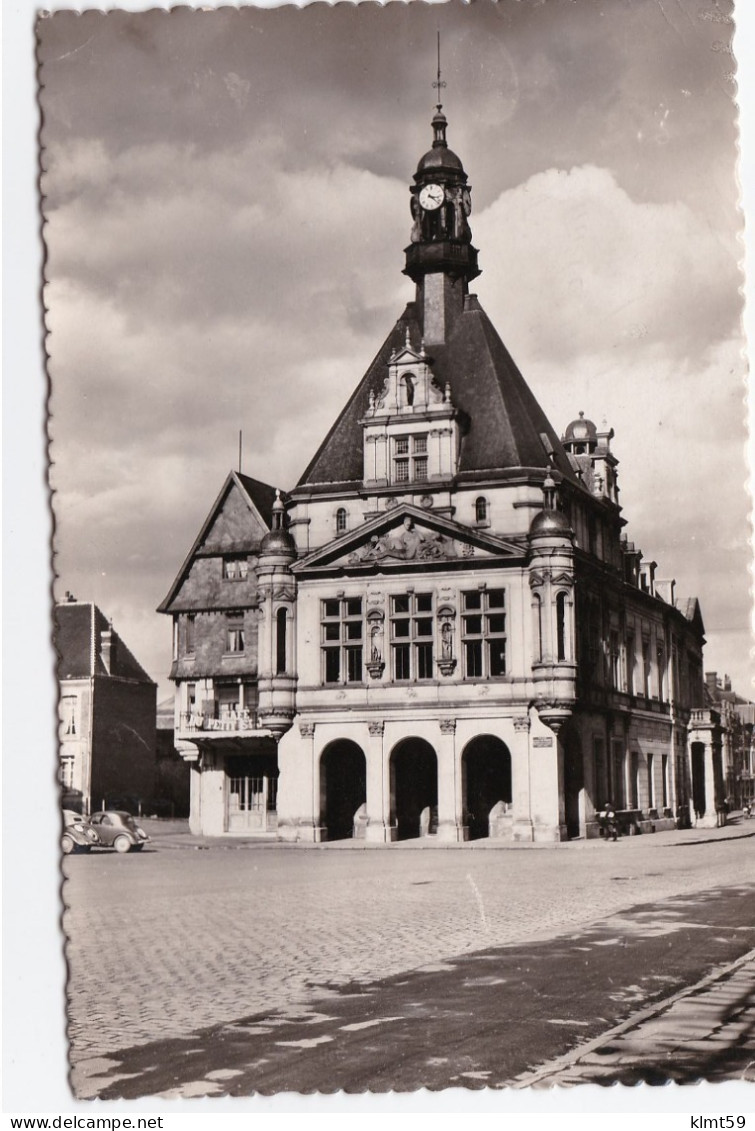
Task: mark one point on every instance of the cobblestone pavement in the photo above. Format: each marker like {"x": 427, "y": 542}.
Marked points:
{"x": 481, "y": 1019}
{"x": 162, "y": 944}
{"x": 706, "y": 1032}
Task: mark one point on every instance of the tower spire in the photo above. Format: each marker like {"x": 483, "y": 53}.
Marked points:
{"x": 439, "y": 84}
{"x": 439, "y": 118}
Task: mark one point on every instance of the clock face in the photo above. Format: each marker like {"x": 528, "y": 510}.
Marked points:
{"x": 431, "y": 197}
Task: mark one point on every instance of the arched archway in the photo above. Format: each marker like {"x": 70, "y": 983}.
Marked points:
{"x": 343, "y": 787}
{"x": 486, "y": 780}
{"x": 414, "y": 787}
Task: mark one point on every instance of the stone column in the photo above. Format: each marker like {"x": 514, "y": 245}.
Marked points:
{"x": 378, "y": 788}
{"x": 449, "y": 784}
{"x": 521, "y": 780}
{"x": 190, "y": 754}
{"x": 299, "y": 786}
{"x": 710, "y": 820}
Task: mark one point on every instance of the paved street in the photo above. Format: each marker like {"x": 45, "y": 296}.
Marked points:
{"x": 184, "y": 939}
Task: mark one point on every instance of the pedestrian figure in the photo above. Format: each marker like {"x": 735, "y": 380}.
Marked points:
{"x": 608, "y": 822}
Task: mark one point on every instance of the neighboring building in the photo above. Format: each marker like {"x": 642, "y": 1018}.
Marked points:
{"x": 442, "y": 630}
{"x": 171, "y": 771}
{"x": 736, "y": 720}
{"x": 107, "y": 713}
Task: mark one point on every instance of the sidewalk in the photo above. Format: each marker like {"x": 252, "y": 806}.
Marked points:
{"x": 175, "y": 834}
{"x": 704, "y": 1032}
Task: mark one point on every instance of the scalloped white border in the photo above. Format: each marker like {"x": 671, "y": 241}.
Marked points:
{"x": 34, "y": 1051}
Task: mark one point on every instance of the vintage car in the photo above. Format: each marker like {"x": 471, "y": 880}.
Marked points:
{"x": 119, "y": 830}
{"x": 78, "y": 834}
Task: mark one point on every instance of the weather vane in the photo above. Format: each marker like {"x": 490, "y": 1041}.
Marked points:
{"x": 438, "y": 84}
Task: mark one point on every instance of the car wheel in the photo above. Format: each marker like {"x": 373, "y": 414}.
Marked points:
{"x": 122, "y": 844}
{"x": 67, "y": 845}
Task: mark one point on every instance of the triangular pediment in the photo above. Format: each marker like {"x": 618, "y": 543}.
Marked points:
{"x": 407, "y": 354}
{"x": 407, "y": 537}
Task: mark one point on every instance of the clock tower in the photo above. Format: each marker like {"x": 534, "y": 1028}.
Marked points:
{"x": 440, "y": 258}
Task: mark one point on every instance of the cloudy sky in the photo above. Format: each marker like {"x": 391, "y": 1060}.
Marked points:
{"x": 226, "y": 209}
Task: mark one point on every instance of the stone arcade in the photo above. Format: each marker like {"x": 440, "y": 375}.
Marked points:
{"x": 441, "y": 631}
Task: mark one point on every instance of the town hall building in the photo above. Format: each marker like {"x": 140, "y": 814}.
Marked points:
{"x": 442, "y": 630}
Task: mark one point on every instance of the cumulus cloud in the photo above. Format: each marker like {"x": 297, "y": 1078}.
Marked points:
{"x": 618, "y": 273}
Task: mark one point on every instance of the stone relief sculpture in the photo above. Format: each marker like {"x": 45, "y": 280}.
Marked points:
{"x": 406, "y": 544}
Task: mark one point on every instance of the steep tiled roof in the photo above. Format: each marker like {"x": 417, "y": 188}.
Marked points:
{"x": 78, "y": 640}
{"x": 261, "y": 494}
{"x": 73, "y": 640}
{"x": 253, "y": 518}
{"x": 690, "y": 608}
{"x": 502, "y": 420}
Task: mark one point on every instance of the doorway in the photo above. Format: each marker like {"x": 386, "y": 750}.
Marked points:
{"x": 414, "y": 788}
{"x": 486, "y": 780}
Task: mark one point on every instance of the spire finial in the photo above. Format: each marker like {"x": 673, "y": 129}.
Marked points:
{"x": 439, "y": 84}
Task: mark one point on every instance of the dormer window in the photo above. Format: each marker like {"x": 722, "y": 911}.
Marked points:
{"x": 409, "y": 458}
{"x": 408, "y": 382}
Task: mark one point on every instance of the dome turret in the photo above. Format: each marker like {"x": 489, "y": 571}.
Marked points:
{"x": 278, "y": 541}
{"x": 550, "y": 522}
{"x": 440, "y": 157}
{"x": 581, "y": 436}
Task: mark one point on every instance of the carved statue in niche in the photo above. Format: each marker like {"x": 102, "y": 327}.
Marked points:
{"x": 447, "y": 641}
{"x": 376, "y": 634}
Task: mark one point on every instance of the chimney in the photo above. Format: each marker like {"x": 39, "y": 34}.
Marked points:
{"x": 727, "y": 683}
{"x": 711, "y": 680}
{"x": 107, "y": 648}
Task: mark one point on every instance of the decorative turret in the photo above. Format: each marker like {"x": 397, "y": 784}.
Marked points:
{"x": 552, "y": 587}
{"x": 589, "y": 450}
{"x": 277, "y": 612}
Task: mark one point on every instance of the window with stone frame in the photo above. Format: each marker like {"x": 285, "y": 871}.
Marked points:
{"x": 342, "y": 519}
{"x": 410, "y": 458}
{"x": 561, "y": 626}
{"x": 483, "y": 632}
{"x": 629, "y": 663}
{"x": 660, "y": 655}
{"x": 412, "y": 636}
{"x": 646, "y": 669}
{"x": 66, "y": 772}
{"x": 613, "y": 659}
{"x": 342, "y": 639}
{"x": 69, "y": 716}
{"x": 235, "y": 641}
